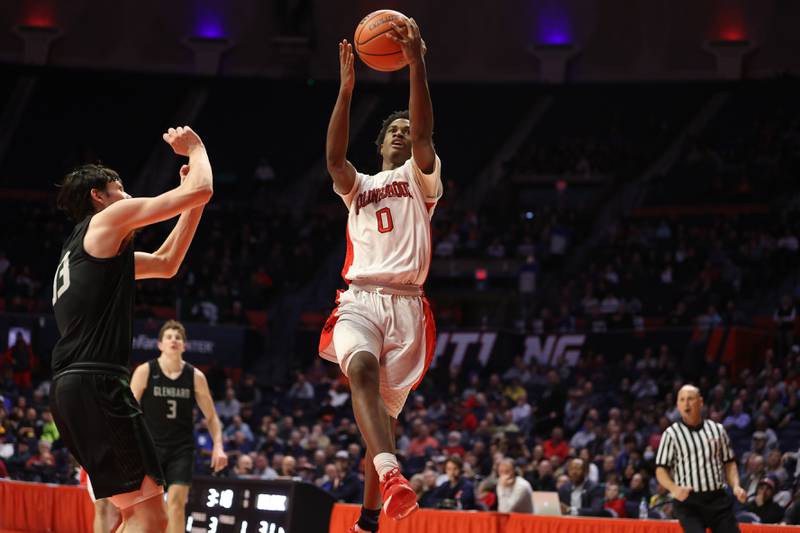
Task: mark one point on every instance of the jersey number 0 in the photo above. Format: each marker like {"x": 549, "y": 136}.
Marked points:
{"x": 385, "y": 222}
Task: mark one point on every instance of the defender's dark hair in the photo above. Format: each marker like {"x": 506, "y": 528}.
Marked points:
{"x": 74, "y": 192}
{"x": 385, "y": 126}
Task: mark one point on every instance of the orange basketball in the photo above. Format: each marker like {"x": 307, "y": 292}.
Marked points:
{"x": 373, "y": 46}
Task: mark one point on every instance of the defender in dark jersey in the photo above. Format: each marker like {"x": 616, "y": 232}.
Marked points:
{"x": 93, "y": 295}
{"x": 167, "y": 388}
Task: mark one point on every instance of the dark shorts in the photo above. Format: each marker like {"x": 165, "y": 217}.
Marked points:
{"x": 102, "y": 425}
{"x": 177, "y": 464}
{"x": 703, "y": 510}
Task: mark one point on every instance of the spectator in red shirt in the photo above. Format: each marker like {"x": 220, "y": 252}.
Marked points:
{"x": 43, "y": 458}
{"x": 22, "y": 360}
{"x": 613, "y": 502}
{"x": 422, "y": 441}
{"x": 454, "y": 445}
{"x": 556, "y": 445}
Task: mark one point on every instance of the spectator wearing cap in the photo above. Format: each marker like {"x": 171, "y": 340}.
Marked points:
{"x": 345, "y": 485}
{"x": 306, "y": 470}
{"x": 514, "y": 493}
{"x": 457, "y": 492}
{"x": 763, "y": 505}
{"x": 758, "y": 445}
{"x": 761, "y": 423}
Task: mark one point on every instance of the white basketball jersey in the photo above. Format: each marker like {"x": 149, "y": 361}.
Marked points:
{"x": 389, "y": 226}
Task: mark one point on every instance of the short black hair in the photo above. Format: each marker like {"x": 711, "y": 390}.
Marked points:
{"x": 73, "y": 195}
{"x": 388, "y": 122}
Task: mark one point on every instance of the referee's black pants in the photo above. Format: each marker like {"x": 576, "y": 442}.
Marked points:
{"x": 701, "y": 510}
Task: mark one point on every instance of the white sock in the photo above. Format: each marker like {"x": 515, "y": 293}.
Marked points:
{"x": 384, "y": 462}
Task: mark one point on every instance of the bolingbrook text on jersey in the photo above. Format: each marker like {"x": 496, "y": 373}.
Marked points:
{"x": 171, "y": 392}
{"x": 396, "y": 189}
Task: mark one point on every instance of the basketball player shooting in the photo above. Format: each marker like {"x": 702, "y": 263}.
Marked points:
{"x": 167, "y": 388}
{"x": 382, "y": 333}
{"x": 93, "y": 298}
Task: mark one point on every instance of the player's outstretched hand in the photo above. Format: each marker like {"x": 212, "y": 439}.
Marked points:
{"x": 183, "y": 140}
{"x": 408, "y": 36}
{"x": 347, "y": 74}
{"x": 219, "y": 460}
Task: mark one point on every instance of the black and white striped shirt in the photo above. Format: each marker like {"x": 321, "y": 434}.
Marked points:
{"x": 696, "y": 456}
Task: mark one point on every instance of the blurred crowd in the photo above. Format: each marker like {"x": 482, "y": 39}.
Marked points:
{"x": 683, "y": 274}
{"x": 233, "y": 267}
{"x": 471, "y": 442}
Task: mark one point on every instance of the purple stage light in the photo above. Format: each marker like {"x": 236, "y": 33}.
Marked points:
{"x": 210, "y": 29}
{"x": 553, "y": 24}
{"x": 209, "y": 19}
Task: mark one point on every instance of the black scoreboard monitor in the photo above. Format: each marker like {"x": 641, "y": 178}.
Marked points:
{"x": 222, "y": 505}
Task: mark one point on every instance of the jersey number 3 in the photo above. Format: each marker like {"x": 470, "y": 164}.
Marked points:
{"x": 173, "y": 409}
{"x": 385, "y": 223}
{"x": 61, "y": 272}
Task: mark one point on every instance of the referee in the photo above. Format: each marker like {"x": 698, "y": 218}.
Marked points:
{"x": 694, "y": 460}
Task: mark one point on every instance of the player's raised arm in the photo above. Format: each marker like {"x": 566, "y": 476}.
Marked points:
{"x": 340, "y": 169}
{"x": 124, "y": 216}
{"x": 420, "y": 107}
{"x": 165, "y": 262}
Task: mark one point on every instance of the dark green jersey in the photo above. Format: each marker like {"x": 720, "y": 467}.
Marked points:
{"x": 168, "y": 405}
{"x": 93, "y": 303}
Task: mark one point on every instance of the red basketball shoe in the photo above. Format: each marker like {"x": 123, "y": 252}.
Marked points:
{"x": 399, "y": 499}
